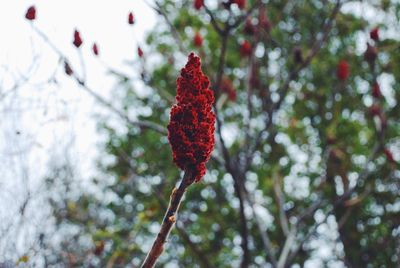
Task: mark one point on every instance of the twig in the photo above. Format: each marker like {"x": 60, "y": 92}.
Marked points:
{"x": 213, "y": 20}
{"x": 286, "y": 248}
{"x": 279, "y": 196}
{"x": 293, "y": 75}
{"x": 174, "y": 31}
{"x": 264, "y": 235}
{"x": 168, "y": 221}
{"x": 143, "y": 124}
{"x": 243, "y": 223}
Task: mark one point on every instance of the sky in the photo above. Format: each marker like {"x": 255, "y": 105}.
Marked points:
{"x": 44, "y": 113}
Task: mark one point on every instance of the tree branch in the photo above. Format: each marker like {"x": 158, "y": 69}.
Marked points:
{"x": 143, "y": 124}
{"x": 292, "y": 76}
{"x": 168, "y": 221}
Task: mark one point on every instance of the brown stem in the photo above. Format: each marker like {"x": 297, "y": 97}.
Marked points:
{"x": 168, "y": 221}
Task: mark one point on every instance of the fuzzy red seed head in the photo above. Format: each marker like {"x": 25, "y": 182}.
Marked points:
{"x": 198, "y": 4}
{"x": 343, "y": 70}
{"x": 31, "y": 13}
{"x": 131, "y": 18}
{"x": 191, "y": 128}
{"x": 263, "y": 20}
{"x": 376, "y": 90}
{"x": 249, "y": 27}
{"x": 227, "y": 87}
{"x": 370, "y": 54}
{"x": 197, "y": 40}
{"x": 245, "y": 48}
{"x": 389, "y": 155}
{"x": 67, "y": 69}
{"x": 374, "y": 34}
{"x": 95, "y": 49}
{"x": 375, "y": 110}
{"x": 77, "y": 39}
{"x": 140, "y": 52}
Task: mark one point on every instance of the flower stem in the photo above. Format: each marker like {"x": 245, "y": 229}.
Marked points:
{"x": 168, "y": 221}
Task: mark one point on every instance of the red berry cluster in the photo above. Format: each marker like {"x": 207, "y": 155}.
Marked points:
{"x": 227, "y": 87}
{"x": 77, "y": 39}
{"x": 245, "y": 48}
{"x": 140, "y": 52}
{"x": 31, "y": 13}
{"x": 254, "y": 28}
{"x": 198, "y": 4}
{"x": 375, "y": 109}
{"x": 197, "y": 40}
{"x": 343, "y": 70}
{"x": 95, "y": 49}
{"x": 191, "y": 127}
{"x": 370, "y": 56}
{"x": 131, "y": 18}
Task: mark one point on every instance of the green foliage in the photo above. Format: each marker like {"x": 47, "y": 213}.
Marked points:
{"x": 318, "y": 145}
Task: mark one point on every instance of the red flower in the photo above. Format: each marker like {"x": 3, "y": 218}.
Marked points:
{"x": 197, "y": 40}
{"x": 375, "y": 110}
{"x": 376, "y": 90}
{"x": 370, "y": 54}
{"x": 227, "y": 87}
{"x": 191, "y": 127}
{"x": 389, "y": 155}
{"x": 31, "y": 13}
{"x": 374, "y": 34}
{"x": 245, "y": 48}
{"x": 240, "y": 3}
{"x": 343, "y": 70}
{"x": 131, "y": 19}
{"x": 77, "y": 39}
{"x": 140, "y": 52}
{"x": 249, "y": 27}
{"x": 198, "y": 4}
{"x": 95, "y": 49}
{"x": 263, "y": 20}
{"x": 68, "y": 70}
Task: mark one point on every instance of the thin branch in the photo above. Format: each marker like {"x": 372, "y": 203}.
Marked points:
{"x": 280, "y": 200}
{"x": 363, "y": 174}
{"x": 213, "y": 20}
{"x": 292, "y": 76}
{"x": 264, "y": 235}
{"x": 143, "y": 124}
{"x": 168, "y": 221}
{"x": 287, "y": 247}
{"x": 243, "y": 17}
{"x": 174, "y": 31}
{"x": 200, "y": 255}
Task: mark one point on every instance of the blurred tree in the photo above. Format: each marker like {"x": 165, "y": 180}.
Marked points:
{"x": 304, "y": 156}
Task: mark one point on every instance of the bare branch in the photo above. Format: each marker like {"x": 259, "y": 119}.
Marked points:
{"x": 158, "y": 8}
{"x": 142, "y": 123}
{"x": 168, "y": 221}
{"x": 280, "y": 200}
{"x": 292, "y": 76}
